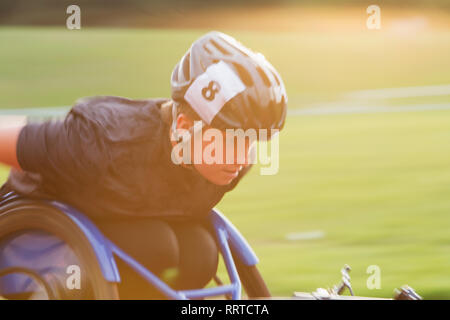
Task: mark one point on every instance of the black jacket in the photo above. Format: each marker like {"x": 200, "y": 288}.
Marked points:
{"x": 110, "y": 158}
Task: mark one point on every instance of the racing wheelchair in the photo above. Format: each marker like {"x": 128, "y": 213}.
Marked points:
{"x": 41, "y": 241}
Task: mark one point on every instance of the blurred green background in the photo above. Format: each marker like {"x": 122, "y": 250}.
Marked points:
{"x": 369, "y": 188}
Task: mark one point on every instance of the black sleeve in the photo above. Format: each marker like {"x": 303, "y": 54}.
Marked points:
{"x": 62, "y": 152}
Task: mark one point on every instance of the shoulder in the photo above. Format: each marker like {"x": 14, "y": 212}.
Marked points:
{"x": 100, "y": 106}
{"x": 119, "y": 118}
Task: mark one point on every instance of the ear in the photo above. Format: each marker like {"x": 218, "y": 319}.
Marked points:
{"x": 184, "y": 122}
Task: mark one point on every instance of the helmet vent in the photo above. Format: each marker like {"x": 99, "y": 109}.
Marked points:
{"x": 206, "y": 49}
{"x": 242, "y": 52}
{"x": 263, "y": 76}
{"x": 276, "y": 78}
{"x": 244, "y": 75}
{"x": 220, "y": 48}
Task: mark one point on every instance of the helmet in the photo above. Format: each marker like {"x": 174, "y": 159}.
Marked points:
{"x": 228, "y": 85}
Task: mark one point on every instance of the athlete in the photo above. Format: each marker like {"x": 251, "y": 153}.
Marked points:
{"x": 113, "y": 159}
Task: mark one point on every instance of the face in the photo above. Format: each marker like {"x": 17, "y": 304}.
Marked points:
{"x": 214, "y": 154}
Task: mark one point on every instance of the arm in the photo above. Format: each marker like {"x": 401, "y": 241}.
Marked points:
{"x": 9, "y": 136}
{"x": 63, "y": 152}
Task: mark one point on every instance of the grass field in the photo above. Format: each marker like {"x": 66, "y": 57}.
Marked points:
{"x": 376, "y": 185}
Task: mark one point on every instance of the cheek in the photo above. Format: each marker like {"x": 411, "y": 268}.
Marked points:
{"x": 213, "y": 149}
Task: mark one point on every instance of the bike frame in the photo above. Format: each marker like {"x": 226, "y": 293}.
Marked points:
{"x": 228, "y": 237}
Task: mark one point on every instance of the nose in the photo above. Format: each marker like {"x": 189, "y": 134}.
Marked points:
{"x": 239, "y": 153}
{"x": 241, "y": 156}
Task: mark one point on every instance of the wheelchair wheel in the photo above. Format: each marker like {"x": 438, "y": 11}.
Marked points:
{"x": 22, "y": 218}
{"x": 252, "y": 281}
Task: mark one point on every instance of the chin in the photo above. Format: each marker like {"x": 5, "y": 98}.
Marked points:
{"x": 221, "y": 182}
{"x": 216, "y": 177}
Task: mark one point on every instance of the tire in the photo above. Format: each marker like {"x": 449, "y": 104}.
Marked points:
{"x": 252, "y": 281}
{"x": 24, "y": 214}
